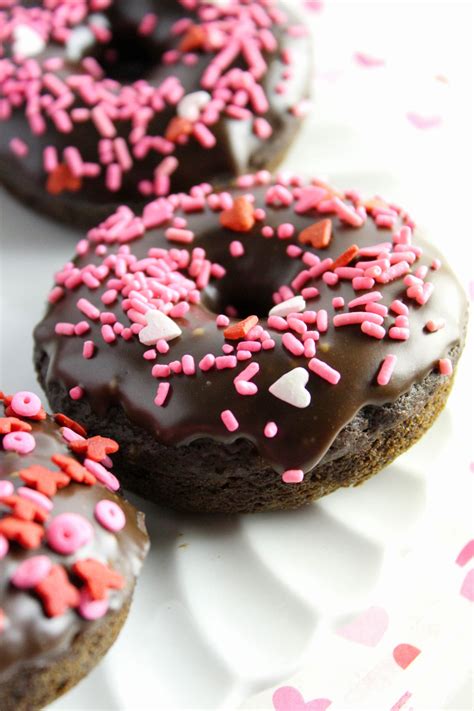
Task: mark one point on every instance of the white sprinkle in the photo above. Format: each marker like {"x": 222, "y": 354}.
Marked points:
{"x": 291, "y": 306}
{"x": 191, "y": 105}
{"x": 291, "y": 388}
{"x": 27, "y": 42}
{"x": 158, "y": 326}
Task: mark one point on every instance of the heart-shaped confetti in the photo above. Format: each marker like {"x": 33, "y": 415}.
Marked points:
{"x": 191, "y": 105}
{"x": 466, "y": 553}
{"x": 240, "y": 217}
{"x": 287, "y": 698}
{"x": 291, "y": 388}
{"x": 291, "y": 306}
{"x": 27, "y": 42}
{"x": 159, "y": 326}
{"x": 467, "y": 588}
{"x": 368, "y": 628}
{"x": 424, "y": 122}
{"x": 405, "y": 654}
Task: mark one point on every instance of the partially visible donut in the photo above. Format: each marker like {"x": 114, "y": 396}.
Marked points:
{"x": 257, "y": 348}
{"x": 109, "y": 102}
{"x": 70, "y": 552}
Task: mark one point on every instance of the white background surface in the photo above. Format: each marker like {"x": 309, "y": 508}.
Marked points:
{"x": 230, "y": 608}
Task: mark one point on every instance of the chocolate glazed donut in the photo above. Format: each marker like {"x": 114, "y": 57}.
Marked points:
{"x": 110, "y": 102}
{"x": 254, "y": 349}
{"x": 70, "y": 552}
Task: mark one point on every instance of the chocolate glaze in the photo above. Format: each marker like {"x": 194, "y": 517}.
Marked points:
{"x": 30, "y": 638}
{"x": 238, "y": 150}
{"x": 119, "y": 376}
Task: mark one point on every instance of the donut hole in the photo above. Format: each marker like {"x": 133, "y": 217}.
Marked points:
{"x": 128, "y": 57}
{"x": 237, "y": 301}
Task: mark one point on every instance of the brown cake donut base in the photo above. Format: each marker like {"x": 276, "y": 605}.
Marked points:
{"x": 208, "y": 476}
{"x": 35, "y": 687}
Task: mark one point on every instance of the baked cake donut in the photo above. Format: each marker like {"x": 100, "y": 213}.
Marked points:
{"x": 70, "y": 552}
{"x": 110, "y": 102}
{"x": 255, "y": 348}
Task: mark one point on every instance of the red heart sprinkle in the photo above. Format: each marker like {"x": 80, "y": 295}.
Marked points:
{"x": 240, "y": 217}
{"x": 241, "y": 329}
{"x": 346, "y": 257}
{"x": 57, "y": 593}
{"x": 318, "y": 235}
{"x": 98, "y": 577}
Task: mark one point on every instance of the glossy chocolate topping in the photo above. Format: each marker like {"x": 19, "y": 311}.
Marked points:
{"x": 29, "y": 637}
{"x": 235, "y": 143}
{"x": 118, "y": 374}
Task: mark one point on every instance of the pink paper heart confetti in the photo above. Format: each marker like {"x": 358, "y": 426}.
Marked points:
{"x": 424, "y": 122}
{"x": 466, "y": 554}
{"x": 368, "y": 61}
{"x": 287, "y": 698}
{"x": 405, "y": 654}
{"x": 367, "y": 629}
{"x": 467, "y": 588}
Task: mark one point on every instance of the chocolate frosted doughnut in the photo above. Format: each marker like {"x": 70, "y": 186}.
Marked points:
{"x": 70, "y": 552}
{"x": 257, "y": 348}
{"x": 110, "y": 102}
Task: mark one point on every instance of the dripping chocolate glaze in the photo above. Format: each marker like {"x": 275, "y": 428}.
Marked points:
{"x": 238, "y": 149}
{"x": 119, "y": 375}
{"x": 29, "y": 636}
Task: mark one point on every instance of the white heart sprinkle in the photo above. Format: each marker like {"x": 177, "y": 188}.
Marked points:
{"x": 191, "y": 105}
{"x": 291, "y": 388}
{"x": 79, "y": 41}
{"x": 159, "y": 326}
{"x": 27, "y": 42}
{"x": 291, "y": 306}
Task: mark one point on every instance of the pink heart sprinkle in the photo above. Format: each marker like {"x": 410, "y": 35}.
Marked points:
{"x": 287, "y": 698}
{"x": 467, "y": 589}
{"x": 405, "y": 654}
{"x": 466, "y": 554}
{"x": 424, "y": 122}
{"x": 366, "y": 60}
{"x": 368, "y": 628}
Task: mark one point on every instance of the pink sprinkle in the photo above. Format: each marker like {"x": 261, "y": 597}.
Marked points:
{"x": 88, "y": 309}
{"x": 362, "y": 283}
{"x": 271, "y": 430}
{"x": 373, "y": 330}
{"x": 88, "y": 349}
{"x": 293, "y": 476}
{"x": 324, "y": 371}
{"x": 356, "y": 317}
{"x": 229, "y": 420}
{"x": 286, "y": 231}
{"x": 322, "y": 321}
{"x": 278, "y": 323}
{"x": 162, "y": 394}
{"x": 386, "y": 370}
{"x": 267, "y": 231}
{"x": 248, "y": 373}
{"x": 310, "y": 292}
{"x": 226, "y": 361}
{"x": 236, "y": 249}
{"x": 245, "y": 387}
{"x": 222, "y": 321}
{"x": 292, "y": 344}
{"x": 19, "y": 147}
{"x": 375, "y": 308}
{"x": 189, "y": 367}
{"x": 207, "y": 362}
{"x": 399, "y": 334}
{"x": 174, "y": 234}
{"x": 435, "y": 325}
{"x": 445, "y": 366}
{"x": 398, "y": 307}
{"x": 76, "y": 393}
{"x": 108, "y": 333}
